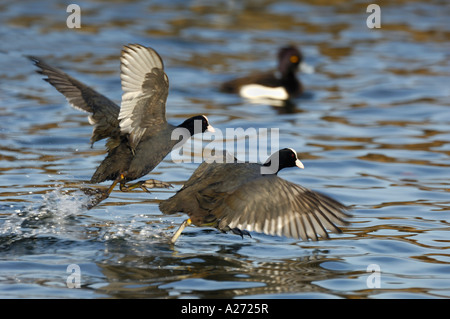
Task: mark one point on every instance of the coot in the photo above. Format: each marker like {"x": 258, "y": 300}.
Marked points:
{"x": 281, "y": 84}
{"x": 244, "y": 197}
{"x": 139, "y": 137}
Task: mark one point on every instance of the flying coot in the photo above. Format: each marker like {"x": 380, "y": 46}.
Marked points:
{"x": 139, "y": 137}
{"x": 242, "y": 197}
{"x": 281, "y": 84}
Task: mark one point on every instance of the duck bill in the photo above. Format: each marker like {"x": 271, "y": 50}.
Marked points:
{"x": 306, "y": 68}
{"x": 299, "y": 164}
{"x": 210, "y": 128}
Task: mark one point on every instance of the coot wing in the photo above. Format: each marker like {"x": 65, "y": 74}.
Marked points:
{"x": 275, "y": 206}
{"x": 145, "y": 88}
{"x": 103, "y": 111}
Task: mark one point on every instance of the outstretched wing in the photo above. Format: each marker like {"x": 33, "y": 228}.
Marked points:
{"x": 275, "y": 206}
{"x": 103, "y": 112}
{"x": 145, "y": 88}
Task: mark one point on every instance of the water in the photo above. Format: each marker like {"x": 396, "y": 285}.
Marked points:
{"x": 372, "y": 131}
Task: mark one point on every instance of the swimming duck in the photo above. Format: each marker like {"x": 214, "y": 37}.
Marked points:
{"x": 281, "y": 84}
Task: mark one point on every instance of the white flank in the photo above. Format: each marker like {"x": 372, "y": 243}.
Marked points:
{"x": 256, "y": 91}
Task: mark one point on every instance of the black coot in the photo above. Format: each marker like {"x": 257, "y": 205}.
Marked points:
{"x": 139, "y": 137}
{"x": 244, "y": 197}
{"x": 281, "y": 84}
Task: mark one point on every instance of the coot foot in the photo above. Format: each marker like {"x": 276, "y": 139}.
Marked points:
{"x": 240, "y": 232}
{"x": 235, "y": 231}
{"x": 153, "y": 183}
{"x": 96, "y": 196}
{"x": 145, "y": 185}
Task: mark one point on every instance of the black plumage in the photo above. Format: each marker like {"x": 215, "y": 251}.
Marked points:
{"x": 139, "y": 136}
{"x": 251, "y": 197}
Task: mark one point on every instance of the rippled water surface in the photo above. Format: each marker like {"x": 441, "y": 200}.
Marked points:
{"x": 372, "y": 130}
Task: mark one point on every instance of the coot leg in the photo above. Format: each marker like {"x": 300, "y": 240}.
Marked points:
{"x": 100, "y": 195}
{"x": 177, "y": 234}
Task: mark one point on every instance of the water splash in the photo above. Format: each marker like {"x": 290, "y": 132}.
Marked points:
{"x": 54, "y": 215}
{"x": 61, "y": 213}
{"x": 137, "y": 230}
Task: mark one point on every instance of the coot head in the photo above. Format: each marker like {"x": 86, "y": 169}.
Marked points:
{"x": 286, "y": 157}
{"x": 289, "y": 58}
{"x": 197, "y": 124}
